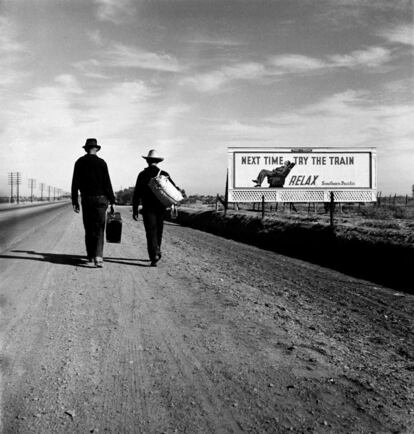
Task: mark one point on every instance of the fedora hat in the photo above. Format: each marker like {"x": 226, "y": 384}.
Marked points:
{"x": 153, "y": 155}
{"x": 91, "y": 143}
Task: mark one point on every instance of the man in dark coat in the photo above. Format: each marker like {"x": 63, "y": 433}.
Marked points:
{"x": 275, "y": 177}
{"x": 153, "y": 210}
{"x": 91, "y": 178}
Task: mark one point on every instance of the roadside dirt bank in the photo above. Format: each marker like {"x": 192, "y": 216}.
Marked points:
{"x": 379, "y": 254}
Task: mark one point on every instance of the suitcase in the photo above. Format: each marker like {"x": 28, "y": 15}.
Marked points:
{"x": 113, "y": 227}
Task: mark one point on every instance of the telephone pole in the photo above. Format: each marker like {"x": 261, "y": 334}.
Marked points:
{"x": 14, "y": 179}
{"x": 32, "y": 184}
{"x": 42, "y": 186}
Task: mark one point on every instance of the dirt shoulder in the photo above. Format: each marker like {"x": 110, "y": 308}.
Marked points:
{"x": 220, "y": 337}
{"x": 380, "y": 251}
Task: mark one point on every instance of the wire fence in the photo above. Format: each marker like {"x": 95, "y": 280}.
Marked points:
{"x": 388, "y": 207}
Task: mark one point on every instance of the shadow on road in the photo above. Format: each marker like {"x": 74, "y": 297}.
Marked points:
{"x": 73, "y": 260}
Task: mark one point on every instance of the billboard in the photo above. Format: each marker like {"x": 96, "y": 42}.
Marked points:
{"x": 303, "y": 169}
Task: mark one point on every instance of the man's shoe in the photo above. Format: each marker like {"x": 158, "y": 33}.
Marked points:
{"x": 155, "y": 260}
{"x": 98, "y": 262}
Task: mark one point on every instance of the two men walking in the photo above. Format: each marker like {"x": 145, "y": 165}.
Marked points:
{"x": 91, "y": 178}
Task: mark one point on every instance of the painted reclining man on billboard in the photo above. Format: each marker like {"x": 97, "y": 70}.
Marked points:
{"x": 276, "y": 177}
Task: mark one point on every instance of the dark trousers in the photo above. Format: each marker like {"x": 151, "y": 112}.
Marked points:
{"x": 262, "y": 175}
{"x": 154, "y": 225}
{"x": 94, "y": 213}
{"x": 274, "y": 180}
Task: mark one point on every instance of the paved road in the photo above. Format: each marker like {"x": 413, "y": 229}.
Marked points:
{"x": 221, "y": 337}
{"x": 18, "y": 222}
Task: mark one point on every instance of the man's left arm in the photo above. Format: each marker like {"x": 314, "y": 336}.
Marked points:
{"x": 136, "y": 198}
{"x": 108, "y": 187}
{"x": 75, "y": 189}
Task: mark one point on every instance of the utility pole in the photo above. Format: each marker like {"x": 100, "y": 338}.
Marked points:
{"x": 42, "y": 186}
{"x": 18, "y": 182}
{"x": 49, "y": 188}
{"x": 11, "y": 182}
{"x": 14, "y": 178}
{"x": 32, "y": 184}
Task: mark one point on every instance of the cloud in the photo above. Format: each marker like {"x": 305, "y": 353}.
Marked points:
{"x": 123, "y": 56}
{"x": 69, "y": 84}
{"x": 354, "y": 13}
{"x": 276, "y": 67}
{"x": 295, "y": 63}
{"x": 349, "y": 118}
{"x": 95, "y": 36}
{"x": 91, "y": 68}
{"x": 215, "y": 41}
{"x": 371, "y": 57}
{"x": 402, "y": 34}
{"x": 8, "y": 42}
{"x": 11, "y": 53}
{"x": 115, "y": 11}
{"x": 214, "y": 80}
{"x": 168, "y": 116}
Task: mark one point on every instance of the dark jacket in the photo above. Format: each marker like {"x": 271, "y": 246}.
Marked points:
{"x": 143, "y": 194}
{"x": 91, "y": 178}
{"x": 278, "y": 176}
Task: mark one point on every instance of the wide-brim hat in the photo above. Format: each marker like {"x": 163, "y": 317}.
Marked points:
{"x": 153, "y": 156}
{"x": 91, "y": 143}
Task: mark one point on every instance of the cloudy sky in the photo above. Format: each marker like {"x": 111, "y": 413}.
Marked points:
{"x": 193, "y": 77}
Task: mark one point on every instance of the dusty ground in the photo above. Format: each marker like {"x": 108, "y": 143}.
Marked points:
{"x": 380, "y": 250}
{"x": 220, "y": 337}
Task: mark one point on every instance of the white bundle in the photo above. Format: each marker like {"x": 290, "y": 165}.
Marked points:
{"x": 164, "y": 190}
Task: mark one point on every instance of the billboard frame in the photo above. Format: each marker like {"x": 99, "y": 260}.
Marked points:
{"x": 309, "y": 194}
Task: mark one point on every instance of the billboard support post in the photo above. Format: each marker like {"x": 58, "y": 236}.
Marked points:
{"x": 226, "y": 194}
{"x": 263, "y": 206}
{"x": 331, "y": 209}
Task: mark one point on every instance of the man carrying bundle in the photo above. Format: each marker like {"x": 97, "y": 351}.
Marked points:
{"x": 153, "y": 210}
